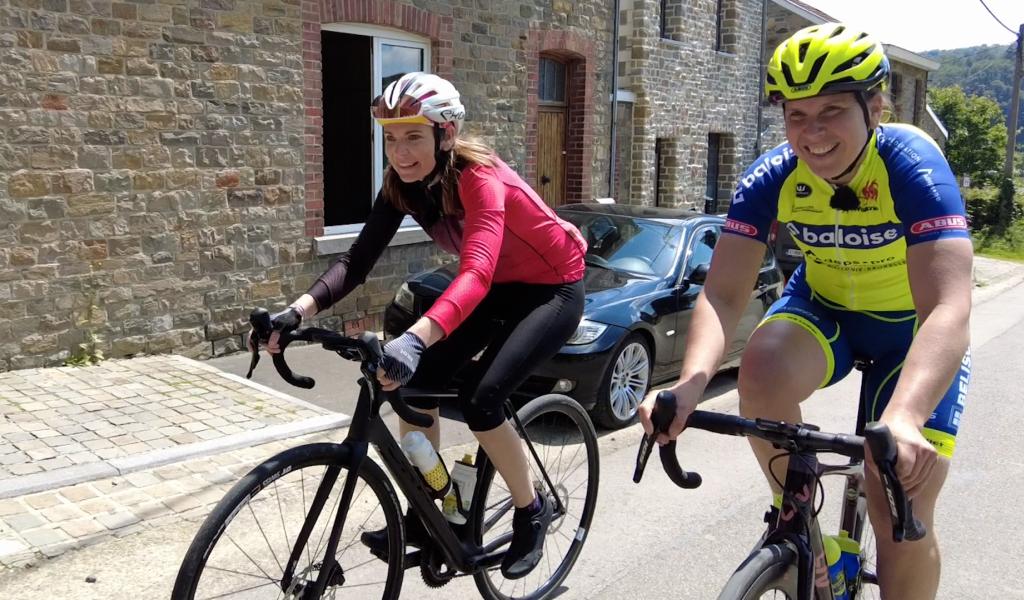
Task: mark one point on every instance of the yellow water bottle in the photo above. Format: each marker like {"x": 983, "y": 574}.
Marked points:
{"x": 422, "y": 455}
{"x": 851, "y": 558}
{"x": 836, "y": 574}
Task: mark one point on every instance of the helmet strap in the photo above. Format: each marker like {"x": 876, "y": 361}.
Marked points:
{"x": 441, "y": 157}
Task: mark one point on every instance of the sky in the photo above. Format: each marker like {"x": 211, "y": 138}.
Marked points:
{"x": 920, "y": 25}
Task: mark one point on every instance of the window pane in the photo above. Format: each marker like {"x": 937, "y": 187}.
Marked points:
{"x": 396, "y": 61}
{"x": 552, "y": 81}
{"x": 702, "y": 248}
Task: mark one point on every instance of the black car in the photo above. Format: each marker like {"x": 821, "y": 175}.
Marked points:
{"x": 645, "y": 268}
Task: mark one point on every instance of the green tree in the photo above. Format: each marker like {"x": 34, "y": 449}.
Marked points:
{"x": 977, "y": 133}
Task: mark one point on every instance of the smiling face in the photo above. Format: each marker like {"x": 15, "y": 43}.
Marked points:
{"x": 410, "y": 149}
{"x": 827, "y": 132}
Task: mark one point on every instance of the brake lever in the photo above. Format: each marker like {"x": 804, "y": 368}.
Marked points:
{"x": 661, "y": 418}
{"x": 260, "y": 320}
{"x": 883, "y": 449}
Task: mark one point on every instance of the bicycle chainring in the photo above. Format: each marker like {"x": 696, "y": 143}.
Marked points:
{"x": 434, "y": 571}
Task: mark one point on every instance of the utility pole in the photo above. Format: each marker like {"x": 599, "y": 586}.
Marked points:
{"x": 1011, "y": 119}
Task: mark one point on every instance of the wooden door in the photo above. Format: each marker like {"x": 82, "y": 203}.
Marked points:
{"x": 551, "y": 155}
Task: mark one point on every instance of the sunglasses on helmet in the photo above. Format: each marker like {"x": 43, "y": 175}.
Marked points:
{"x": 408, "y": 109}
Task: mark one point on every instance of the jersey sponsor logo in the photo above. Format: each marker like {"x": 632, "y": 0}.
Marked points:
{"x": 870, "y": 191}
{"x": 803, "y": 190}
{"x": 740, "y": 227}
{"x": 956, "y": 222}
{"x": 775, "y": 160}
{"x": 829, "y": 236}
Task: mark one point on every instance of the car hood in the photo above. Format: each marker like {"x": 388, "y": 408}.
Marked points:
{"x": 609, "y": 294}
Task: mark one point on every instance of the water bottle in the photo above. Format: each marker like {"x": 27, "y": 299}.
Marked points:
{"x": 422, "y": 455}
{"x": 836, "y": 574}
{"x": 459, "y": 500}
{"x": 851, "y": 557}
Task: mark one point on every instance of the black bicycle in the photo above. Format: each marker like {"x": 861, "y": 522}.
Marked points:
{"x": 789, "y": 560}
{"x": 291, "y": 527}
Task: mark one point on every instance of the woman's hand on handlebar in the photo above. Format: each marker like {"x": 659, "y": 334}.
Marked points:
{"x": 401, "y": 357}
{"x": 288, "y": 319}
{"x": 687, "y": 394}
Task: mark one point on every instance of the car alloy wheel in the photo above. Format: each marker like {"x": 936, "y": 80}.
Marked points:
{"x": 624, "y": 384}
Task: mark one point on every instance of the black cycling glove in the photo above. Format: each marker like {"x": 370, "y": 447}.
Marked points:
{"x": 286, "y": 320}
{"x": 402, "y": 356}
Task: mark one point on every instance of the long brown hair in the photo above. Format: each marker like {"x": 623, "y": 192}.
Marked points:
{"x": 466, "y": 152}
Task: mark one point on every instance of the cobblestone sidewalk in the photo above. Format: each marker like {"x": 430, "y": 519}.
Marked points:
{"x": 47, "y": 524}
{"x": 64, "y": 425}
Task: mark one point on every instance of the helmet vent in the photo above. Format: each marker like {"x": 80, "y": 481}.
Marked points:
{"x": 816, "y": 68}
{"x": 838, "y": 31}
{"x": 802, "y": 51}
{"x": 853, "y": 62}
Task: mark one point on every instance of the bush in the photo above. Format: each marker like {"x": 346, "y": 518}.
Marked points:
{"x": 992, "y": 208}
{"x": 981, "y": 204}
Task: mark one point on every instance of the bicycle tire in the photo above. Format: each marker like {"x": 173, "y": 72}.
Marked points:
{"x": 866, "y": 586}
{"x": 492, "y": 505}
{"x": 273, "y": 484}
{"x": 767, "y": 569}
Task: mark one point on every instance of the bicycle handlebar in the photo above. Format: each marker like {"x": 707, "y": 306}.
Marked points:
{"x": 366, "y": 349}
{"x": 790, "y": 437}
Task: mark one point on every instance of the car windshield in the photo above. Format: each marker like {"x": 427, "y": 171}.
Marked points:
{"x": 621, "y": 243}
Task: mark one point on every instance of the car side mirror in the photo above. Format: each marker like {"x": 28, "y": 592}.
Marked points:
{"x": 699, "y": 274}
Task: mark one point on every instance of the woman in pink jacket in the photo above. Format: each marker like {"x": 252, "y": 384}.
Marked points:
{"x": 518, "y": 293}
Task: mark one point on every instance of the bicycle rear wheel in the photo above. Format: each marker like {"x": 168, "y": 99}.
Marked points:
{"x": 769, "y": 573}
{"x": 243, "y": 548}
{"x": 565, "y": 442}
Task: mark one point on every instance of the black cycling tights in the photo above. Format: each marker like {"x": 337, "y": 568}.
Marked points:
{"x": 521, "y": 325}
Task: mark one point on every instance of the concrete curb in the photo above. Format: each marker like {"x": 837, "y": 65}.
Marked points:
{"x": 40, "y": 482}
{"x": 986, "y": 292}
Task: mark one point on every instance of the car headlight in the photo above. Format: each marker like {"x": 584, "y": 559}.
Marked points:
{"x": 404, "y": 298}
{"x": 586, "y": 332}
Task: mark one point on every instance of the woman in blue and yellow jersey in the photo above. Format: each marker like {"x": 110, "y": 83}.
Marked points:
{"x": 887, "y": 276}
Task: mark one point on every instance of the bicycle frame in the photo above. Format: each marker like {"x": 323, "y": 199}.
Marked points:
{"x": 797, "y": 524}
{"x": 367, "y": 428}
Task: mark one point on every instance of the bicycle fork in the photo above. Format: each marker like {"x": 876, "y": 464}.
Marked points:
{"x": 330, "y": 572}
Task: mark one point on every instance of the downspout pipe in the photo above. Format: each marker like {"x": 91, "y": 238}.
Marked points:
{"x": 760, "y": 81}
{"x": 615, "y": 98}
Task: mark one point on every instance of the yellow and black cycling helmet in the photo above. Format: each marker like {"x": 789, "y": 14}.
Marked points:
{"x": 825, "y": 59}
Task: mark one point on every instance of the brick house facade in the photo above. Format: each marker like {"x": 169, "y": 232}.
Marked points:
{"x": 163, "y": 165}
{"x": 691, "y": 70}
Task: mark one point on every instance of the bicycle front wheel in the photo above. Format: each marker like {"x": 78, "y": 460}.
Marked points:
{"x": 866, "y": 586}
{"x": 769, "y": 572}
{"x": 565, "y": 443}
{"x": 243, "y": 548}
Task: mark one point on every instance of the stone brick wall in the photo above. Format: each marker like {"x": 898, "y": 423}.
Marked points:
{"x": 685, "y": 89}
{"x": 155, "y": 157}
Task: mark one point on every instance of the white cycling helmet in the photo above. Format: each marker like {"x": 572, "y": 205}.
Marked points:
{"x": 419, "y": 98}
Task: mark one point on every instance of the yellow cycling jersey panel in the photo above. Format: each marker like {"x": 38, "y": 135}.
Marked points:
{"x": 856, "y": 258}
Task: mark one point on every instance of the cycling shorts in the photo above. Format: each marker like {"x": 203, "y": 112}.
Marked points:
{"x": 882, "y": 337}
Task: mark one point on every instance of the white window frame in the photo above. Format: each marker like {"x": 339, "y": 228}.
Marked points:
{"x": 338, "y": 238}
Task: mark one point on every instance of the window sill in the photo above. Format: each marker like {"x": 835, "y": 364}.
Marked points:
{"x": 327, "y": 245}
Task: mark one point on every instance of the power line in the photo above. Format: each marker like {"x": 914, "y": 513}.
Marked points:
{"x": 996, "y": 18}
